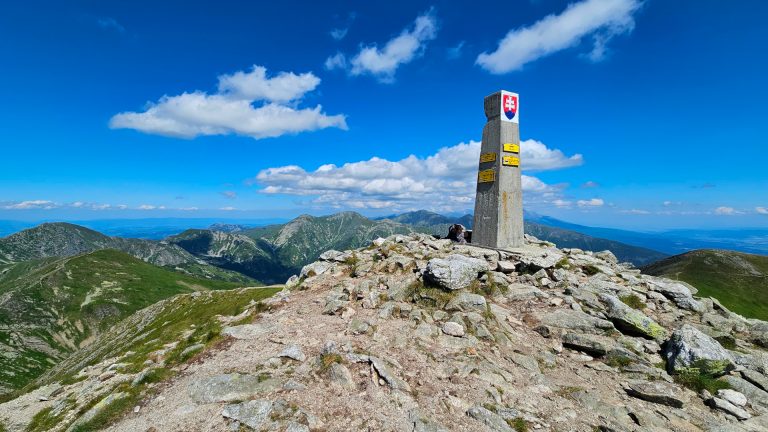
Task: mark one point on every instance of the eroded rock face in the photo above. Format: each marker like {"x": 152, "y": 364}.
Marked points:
{"x": 454, "y": 272}
{"x": 689, "y": 347}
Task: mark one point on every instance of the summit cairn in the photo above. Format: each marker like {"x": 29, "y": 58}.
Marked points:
{"x": 499, "y": 199}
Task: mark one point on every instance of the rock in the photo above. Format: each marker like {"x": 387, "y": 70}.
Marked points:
{"x": 453, "y": 329}
{"x": 733, "y": 397}
{"x": 454, "y": 271}
{"x": 98, "y": 408}
{"x": 247, "y": 331}
{"x": 533, "y": 259}
{"x": 315, "y": 269}
{"x": 423, "y": 424}
{"x": 629, "y": 320}
{"x": 334, "y": 255}
{"x": 293, "y": 352}
{"x": 505, "y": 267}
{"x": 493, "y": 421}
{"x": 585, "y": 343}
{"x": 229, "y": 387}
{"x": 192, "y": 349}
{"x": 253, "y": 413}
{"x": 466, "y": 302}
{"x": 759, "y": 380}
{"x": 358, "y": 326}
{"x": 521, "y": 292}
{"x": 678, "y": 293}
{"x": 339, "y": 374}
{"x": 730, "y": 408}
{"x": 689, "y": 347}
{"x": 576, "y": 320}
{"x": 754, "y": 394}
{"x": 607, "y": 255}
{"x": 656, "y": 391}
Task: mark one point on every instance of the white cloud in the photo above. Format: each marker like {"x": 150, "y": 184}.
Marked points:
{"x": 339, "y": 33}
{"x": 636, "y": 212}
{"x": 32, "y": 204}
{"x": 228, "y": 208}
{"x": 383, "y": 62}
{"x": 594, "y": 202}
{"x": 231, "y": 110}
{"x": 590, "y": 184}
{"x": 727, "y": 211}
{"x": 146, "y": 207}
{"x": 562, "y": 203}
{"x": 230, "y": 194}
{"x": 535, "y": 156}
{"x": 603, "y": 19}
{"x": 445, "y": 180}
{"x": 762, "y": 210}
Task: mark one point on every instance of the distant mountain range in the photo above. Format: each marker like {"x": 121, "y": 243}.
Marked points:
{"x": 738, "y": 280}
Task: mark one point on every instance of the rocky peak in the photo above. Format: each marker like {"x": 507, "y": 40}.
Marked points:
{"x": 417, "y": 334}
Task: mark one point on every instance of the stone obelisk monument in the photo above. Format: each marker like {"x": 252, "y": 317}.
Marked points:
{"x": 499, "y": 200}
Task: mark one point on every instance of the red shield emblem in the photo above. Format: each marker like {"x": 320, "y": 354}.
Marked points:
{"x": 509, "y": 105}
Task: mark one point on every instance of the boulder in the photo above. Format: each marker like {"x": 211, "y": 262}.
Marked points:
{"x": 491, "y": 420}
{"x": 293, "y": 352}
{"x": 454, "y": 272}
{"x": 678, "y": 293}
{"x": 733, "y": 397}
{"x": 315, "y": 269}
{"x": 253, "y": 413}
{"x": 229, "y": 387}
{"x": 730, "y": 408}
{"x": 629, "y": 320}
{"x": 689, "y": 347}
{"x": 657, "y": 392}
{"x": 585, "y": 343}
{"x": 453, "y": 329}
{"x": 575, "y": 320}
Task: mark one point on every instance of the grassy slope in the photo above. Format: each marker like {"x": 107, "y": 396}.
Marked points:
{"x": 134, "y": 339}
{"x": 50, "y": 307}
{"x": 738, "y": 280}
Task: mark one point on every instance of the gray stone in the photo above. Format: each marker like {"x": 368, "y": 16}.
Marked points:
{"x": 466, "y": 302}
{"x": 98, "y": 408}
{"x": 247, "y": 331}
{"x": 229, "y": 387}
{"x": 689, "y": 347}
{"x": 423, "y": 424}
{"x": 576, "y": 320}
{"x": 253, "y": 413}
{"x": 607, "y": 255}
{"x": 493, "y": 421}
{"x": 453, "y": 329}
{"x": 293, "y": 352}
{"x": 585, "y": 343}
{"x": 658, "y": 392}
{"x": 454, "y": 271}
{"x": 521, "y": 292}
{"x": 358, "y": 326}
{"x": 629, "y": 320}
{"x": 730, "y": 408}
{"x": 505, "y": 267}
{"x": 756, "y": 378}
{"x": 678, "y": 293}
{"x": 339, "y": 374}
{"x": 733, "y": 397}
{"x": 532, "y": 259}
{"x": 755, "y": 395}
{"x": 315, "y": 269}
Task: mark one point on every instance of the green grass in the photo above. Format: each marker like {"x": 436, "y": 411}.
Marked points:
{"x": 590, "y": 270}
{"x": 174, "y": 318}
{"x": 738, "y": 280}
{"x": 518, "y": 424}
{"x": 633, "y": 301}
{"x": 80, "y": 297}
{"x": 696, "y": 380}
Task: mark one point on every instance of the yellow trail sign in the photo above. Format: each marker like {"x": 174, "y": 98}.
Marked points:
{"x": 486, "y": 176}
{"x": 510, "y": 161}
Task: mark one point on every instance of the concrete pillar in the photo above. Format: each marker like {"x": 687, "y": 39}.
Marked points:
{"x": 499, "y": 200}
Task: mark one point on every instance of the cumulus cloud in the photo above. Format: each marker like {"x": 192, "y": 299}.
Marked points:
{"x": 231, "y": 109}
{"x": 727, "y": 211}
{"x": 594, "y": 202}
{"x": 562, "y": 203}
{"x": 762, "y": 210}
{"x": 383, "y": 62}
{"x": 602, "y": 19}
{"x": 446, "y": 180}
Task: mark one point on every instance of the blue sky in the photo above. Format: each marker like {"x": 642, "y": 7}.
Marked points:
{"x": 635, "y": 114}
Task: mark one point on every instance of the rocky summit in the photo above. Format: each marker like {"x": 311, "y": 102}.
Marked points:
{"x": 417, "y": 334}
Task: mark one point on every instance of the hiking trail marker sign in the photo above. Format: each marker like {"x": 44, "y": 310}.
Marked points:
{"x": 499, "y": 200}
